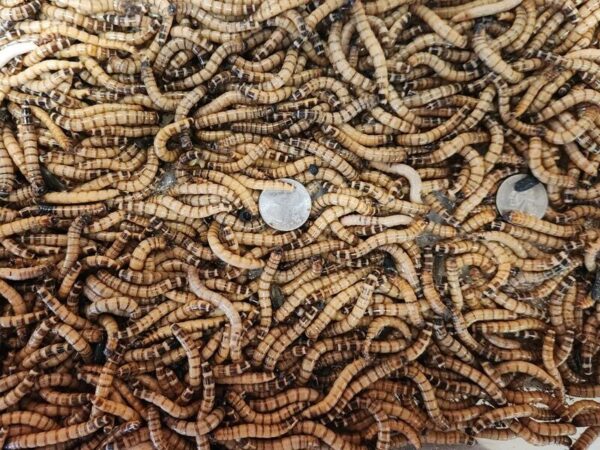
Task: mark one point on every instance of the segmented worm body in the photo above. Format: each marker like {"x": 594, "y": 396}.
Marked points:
{"x": 144, "y": 301}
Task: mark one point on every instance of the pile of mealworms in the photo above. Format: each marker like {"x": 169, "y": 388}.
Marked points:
{"x": 146, "y": 304}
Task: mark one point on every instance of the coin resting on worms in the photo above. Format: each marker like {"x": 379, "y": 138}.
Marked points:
{"x": 429, "y": 274}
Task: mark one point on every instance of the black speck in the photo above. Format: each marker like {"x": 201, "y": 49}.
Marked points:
{"x": 596, "y": 287}
{"x": 99, "y": 352}
{"x": 526, "y": 183}
{"x": 388, "y": 262}
{"x": 245, "y": 215}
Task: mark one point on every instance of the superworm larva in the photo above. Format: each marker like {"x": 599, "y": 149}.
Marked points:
{"x": 146, "y": 302}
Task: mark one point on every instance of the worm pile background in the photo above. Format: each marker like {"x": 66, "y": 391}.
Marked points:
{"x": 144, "y": 302}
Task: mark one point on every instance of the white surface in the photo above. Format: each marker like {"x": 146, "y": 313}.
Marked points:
{"x": 533, "y": 201}
{"x": 15, "y": 49}
{"x": 487, "y": 444}
{"x": 285, "y": 210}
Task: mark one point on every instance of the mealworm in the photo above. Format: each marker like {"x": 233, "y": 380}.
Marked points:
{"x": 163, "y": 123}
{"x": 193, "y": 355}
{"x": 60, "y": 435}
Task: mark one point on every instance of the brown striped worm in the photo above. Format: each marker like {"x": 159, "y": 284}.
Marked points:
{"x": 135, "y": 142}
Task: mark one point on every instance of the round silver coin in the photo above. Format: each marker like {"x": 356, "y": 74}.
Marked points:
{"x": 533, "y": 201}
{"x": 285, "y": 210}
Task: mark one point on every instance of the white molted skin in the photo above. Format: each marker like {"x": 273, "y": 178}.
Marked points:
{"x": 590, "y": 254}
{"x": 413, "y": 177}
{"x": 388, "y": 221}
{"x": 486, "y": 10}
{"x": 13, "y": 50}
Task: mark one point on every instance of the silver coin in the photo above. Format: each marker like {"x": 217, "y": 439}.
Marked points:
{"x": 533, "y": 201}
{"x": 285, "y": 210}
